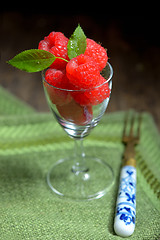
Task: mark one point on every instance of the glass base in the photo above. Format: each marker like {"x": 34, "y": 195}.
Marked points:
{"x": 90, "y": 184}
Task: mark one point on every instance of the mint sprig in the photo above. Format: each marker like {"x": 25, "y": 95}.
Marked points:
{"x": 77, "y": 43}
{"x": 36, "y": 60}
{"x": 33, "y": 60}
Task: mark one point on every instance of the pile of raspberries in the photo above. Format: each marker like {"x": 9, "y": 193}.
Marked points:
{"x": 81, "y": 75}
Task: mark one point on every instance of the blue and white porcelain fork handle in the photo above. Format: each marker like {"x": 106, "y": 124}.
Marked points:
{"x": 124, "y": 222}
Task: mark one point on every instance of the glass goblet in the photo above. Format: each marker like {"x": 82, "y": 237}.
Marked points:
{"x": 79, "y": 177}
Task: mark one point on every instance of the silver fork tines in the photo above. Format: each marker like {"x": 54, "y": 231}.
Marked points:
{"x": 131, "y": 138}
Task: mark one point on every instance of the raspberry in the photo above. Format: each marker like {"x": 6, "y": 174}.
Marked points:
{"x": 56, "y": 43}
{"x": 58, "y": 79}
{"x": 93, "y": 97}
{"x": 75, "y": 113}
{"x": 97, "y": 52}
{"x": 82, "y": 72}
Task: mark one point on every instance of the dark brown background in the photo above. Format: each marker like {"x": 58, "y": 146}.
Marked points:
{"x": 132, "y": 41}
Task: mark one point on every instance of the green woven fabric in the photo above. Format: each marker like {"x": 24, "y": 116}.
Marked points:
{"x": 11, "y": 105}
{"x": 31, "y": 142}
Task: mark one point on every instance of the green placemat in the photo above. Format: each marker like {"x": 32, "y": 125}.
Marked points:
{"x": 9, "y": 104}
{"x": 31, "y": 143}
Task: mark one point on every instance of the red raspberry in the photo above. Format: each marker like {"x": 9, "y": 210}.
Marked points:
{"x": 82, "y": 72}
{"x": 75, "y": 113}
{"x": 58, "y": 79}
{"x": 56, "y": 43}
{"x": 93, "y": 97}
{"x": 97, "y": 52}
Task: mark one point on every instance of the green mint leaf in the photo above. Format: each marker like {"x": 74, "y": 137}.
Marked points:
{"x": 33, "y": 60}
{"x": 77, "y": 43}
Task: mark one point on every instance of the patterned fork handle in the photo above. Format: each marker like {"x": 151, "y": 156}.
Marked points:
{"x": 124, "y": 223}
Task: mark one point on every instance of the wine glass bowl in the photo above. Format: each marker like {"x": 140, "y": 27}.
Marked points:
{"x": 79, "y": 176}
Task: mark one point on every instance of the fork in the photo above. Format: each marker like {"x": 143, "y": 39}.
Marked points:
{"x": 124, "y": 222}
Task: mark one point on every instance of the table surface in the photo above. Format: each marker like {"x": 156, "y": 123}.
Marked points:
{"x": 133, "y": 54}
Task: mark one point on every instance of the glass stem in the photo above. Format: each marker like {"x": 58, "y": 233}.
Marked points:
{"x": 79, "y": 164}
